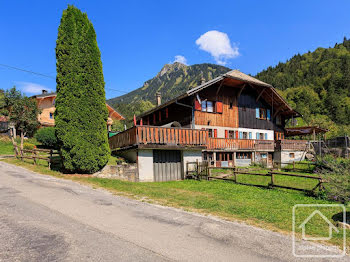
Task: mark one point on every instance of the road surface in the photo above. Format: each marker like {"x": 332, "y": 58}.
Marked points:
{"x": 43, "y": 218}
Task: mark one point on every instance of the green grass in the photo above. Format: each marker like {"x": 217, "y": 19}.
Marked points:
{"x": 267, "y": 208}
{"x": 6, "y": 147}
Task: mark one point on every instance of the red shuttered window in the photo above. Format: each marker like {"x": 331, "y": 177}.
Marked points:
{"x": 197, "y": 106}
{"x": 218, "y": 107}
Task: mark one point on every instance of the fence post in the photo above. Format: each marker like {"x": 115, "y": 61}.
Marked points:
{"x": 34, "y": 156}
{"x": 50, "y": 158}
{"x": 272, "y": 180}
{"x": 197, "y": 169}
{"x": 293, "y": 165}
{"x": 234, "y": 176}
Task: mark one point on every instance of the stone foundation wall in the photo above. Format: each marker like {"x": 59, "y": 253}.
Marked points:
{"x": 126, "y": 172}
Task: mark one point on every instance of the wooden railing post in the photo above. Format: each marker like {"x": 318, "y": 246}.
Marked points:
{"x": 272, "y": 180}
{"x": 34, "y": 156}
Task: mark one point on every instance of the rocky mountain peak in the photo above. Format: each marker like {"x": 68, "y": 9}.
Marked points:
{"x": 169, "y": 68}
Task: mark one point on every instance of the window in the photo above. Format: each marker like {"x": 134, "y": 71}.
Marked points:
{"x": 263, "y": 155}
{"x": 51, "y": 115}
{"x": 261, "y": 136}
{"x": 208, "y": 106}
{"x": 210, "y": 132}
{"x": 241, "y": 155}
{"x": 231, "y": 105}
{"x": 291, "y": 155}
{"x": 204, "y": 106}
{"x": 245, "y": 135}
{"x": 231, "y": 134}
{"x": 262, "y": 113}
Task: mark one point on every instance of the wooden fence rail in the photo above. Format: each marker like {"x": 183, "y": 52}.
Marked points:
{"x": 272, "y": 175}
{"x": 34, "y": 155}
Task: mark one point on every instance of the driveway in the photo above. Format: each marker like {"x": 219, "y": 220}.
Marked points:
{"x": 43, "y": 218}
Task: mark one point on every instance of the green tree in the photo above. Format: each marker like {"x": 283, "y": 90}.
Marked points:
{"x": 81, "y": 112}
{"x": 22, "y": 112}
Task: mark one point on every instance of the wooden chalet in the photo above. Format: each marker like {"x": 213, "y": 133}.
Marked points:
{"x": 232, "y": 120}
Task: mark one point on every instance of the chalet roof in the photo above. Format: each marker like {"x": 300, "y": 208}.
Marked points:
{"x": 271, "y": 97}
{"x": 45, "y": 95}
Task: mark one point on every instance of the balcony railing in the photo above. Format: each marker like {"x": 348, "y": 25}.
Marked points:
{"x": 154, "y": 135}
{"x": 293, "y": 145}
{"x": 158, "y": 136}
{"x": 239, "y": 144}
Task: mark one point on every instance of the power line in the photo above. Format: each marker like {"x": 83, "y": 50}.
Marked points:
{"x": 27, "y": 71}
{"x": 47, "y": 76}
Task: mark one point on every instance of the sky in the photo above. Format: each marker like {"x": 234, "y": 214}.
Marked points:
{"x": 136, "y": 38}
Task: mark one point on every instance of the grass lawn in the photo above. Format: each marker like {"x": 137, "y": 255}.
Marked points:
{"x": 267, "y": 208}
{"x": 6, "y": 147}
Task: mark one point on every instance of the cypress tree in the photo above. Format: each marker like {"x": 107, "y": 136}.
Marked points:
{"x": 81, "y": 112}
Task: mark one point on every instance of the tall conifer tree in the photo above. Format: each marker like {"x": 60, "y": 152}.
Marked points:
{"x": 81, "y": 112}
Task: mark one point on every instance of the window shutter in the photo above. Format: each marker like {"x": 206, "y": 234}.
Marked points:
{"x": 257, "y": 135}
{"x": 250, "y": 135}
{"x": 166, "y": 112}
{"x": 265, "y": 136}
{"x": 240, "y": 135}
{"x": 236, "y": 135}
{"x": 268, "y": 114}
{"x": 215, "y": 133}
{"x": 218, "y": 107}
{"x": 160, "y": 115}
{"x": 197, "y": 105}
{"x": 154, "y": 118}
{"x": 226, "y": 133}
{"x": 257, "y": 113}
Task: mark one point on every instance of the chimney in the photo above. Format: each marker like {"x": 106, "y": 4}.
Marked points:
{"x": 159, "y": 98}
{"x": 44, "y": 91}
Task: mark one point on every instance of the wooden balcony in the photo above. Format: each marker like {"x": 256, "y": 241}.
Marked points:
{"x": 292, "y": 145}
{"x": 154, "y": 135}
{"x": 182, "y": 137}
{"x": 240, "y": 144}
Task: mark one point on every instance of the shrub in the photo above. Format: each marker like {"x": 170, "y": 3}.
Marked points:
{"x": 46, "y": 136}
{"x": 336, "y": 171}
{"x": 81, "y": 113}
{"x": 28, "y": 146}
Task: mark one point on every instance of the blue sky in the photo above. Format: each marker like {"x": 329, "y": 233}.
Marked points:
{"x": 137, "y": 38}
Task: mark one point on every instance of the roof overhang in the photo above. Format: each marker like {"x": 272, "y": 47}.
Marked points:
{"x": 304, "y": 130}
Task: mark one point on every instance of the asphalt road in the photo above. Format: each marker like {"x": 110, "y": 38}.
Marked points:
{"x": 48, "y": 219}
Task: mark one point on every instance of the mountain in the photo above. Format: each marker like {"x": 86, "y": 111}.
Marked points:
{"x": 172, "y": 80}
{"x": 317, "y": 84}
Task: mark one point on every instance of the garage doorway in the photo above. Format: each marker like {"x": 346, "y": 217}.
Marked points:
{"x": 167, "y": 165}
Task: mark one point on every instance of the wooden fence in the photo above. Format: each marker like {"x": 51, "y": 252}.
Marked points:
{"x": 277, "y": 164}
{"x": 36, "y": 154}
{"x": 272, "y": 174}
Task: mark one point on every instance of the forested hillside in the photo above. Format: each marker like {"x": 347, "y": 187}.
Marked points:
{"x": 171, "y": 81}
{"x": 317, "y": 84}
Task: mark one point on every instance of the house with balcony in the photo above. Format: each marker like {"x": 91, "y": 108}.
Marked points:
{"x": 232, "y": 120}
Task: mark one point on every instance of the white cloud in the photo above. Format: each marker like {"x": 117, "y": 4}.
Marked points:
{"x": 180, "y": 59}
{"x": 218, "y": 45}
{"x": 31, "y": 88}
